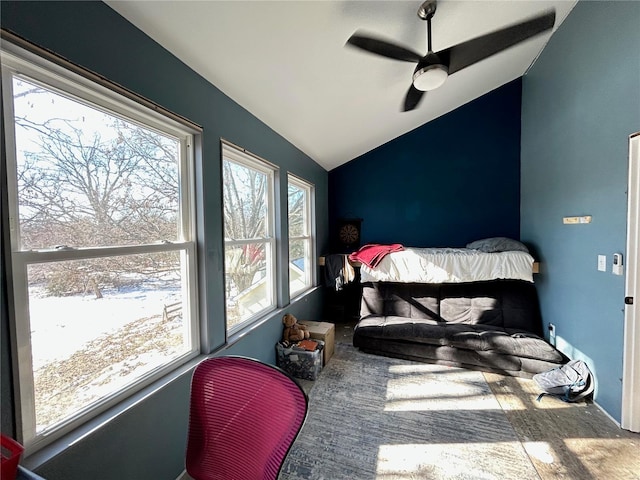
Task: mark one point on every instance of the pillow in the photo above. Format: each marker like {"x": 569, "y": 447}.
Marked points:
{"x": 498, "y": 244}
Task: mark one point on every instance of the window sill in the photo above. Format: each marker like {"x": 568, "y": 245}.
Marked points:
{"x": 235, "y": 337}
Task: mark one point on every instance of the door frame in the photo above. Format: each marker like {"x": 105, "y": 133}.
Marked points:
{"x": 631, "y": 366}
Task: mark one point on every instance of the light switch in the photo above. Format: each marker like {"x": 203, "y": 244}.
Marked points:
{"x": 602, "y": 263}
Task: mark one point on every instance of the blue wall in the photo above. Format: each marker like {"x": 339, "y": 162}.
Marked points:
{"x": 449, "y": 182}
{"x": 147, "y": 442}
{"x": 580, "y": 102}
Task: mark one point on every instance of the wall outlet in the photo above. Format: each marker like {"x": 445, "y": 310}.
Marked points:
{"x": 617, "y": 264}
{"x": 552, "y": 334}
{"x": 602, "y": 263}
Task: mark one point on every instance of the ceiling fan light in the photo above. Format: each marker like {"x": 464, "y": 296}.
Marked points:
{"x": 430, "y": 77}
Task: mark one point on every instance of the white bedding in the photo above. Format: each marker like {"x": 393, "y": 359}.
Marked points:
{"x": 449, "y": 265}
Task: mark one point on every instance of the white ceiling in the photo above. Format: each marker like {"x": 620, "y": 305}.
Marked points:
{"x": 286, "y": 61}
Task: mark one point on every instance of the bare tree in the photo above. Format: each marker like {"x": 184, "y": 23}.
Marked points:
{"x": 244, "y": 219}
{"x": 296, "y": 221}
{"x": 87, "y": 187}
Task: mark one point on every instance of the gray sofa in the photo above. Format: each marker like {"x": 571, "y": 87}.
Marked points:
{"x": 492, "y": 326}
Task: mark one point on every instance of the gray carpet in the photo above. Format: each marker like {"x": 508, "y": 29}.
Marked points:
{"x": 372, "y": 417}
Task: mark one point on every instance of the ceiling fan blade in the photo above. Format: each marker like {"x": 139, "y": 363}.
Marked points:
{"x": 412, "y": 99}
{"x": 384, "y": 48}
{"x": 467, "y": 53}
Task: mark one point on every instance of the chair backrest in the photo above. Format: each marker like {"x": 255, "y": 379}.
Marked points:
{"x": 244, "y": 416}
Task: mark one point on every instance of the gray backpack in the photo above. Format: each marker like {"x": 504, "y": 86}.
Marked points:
{"x": 571, "y": 382}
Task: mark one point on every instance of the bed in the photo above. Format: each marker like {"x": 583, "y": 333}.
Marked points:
{"x": 474, "y": 307}
{"x": 449, "y": 265}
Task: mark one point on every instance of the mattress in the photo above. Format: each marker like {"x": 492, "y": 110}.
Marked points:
{"x": 449, "y": 265}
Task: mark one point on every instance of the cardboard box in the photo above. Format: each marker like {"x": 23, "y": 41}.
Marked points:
{"x": 299, "y": 362}
{"x": 324, "y": 331}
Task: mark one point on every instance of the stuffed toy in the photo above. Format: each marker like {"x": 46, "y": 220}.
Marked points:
{"x": 293, "y": 331}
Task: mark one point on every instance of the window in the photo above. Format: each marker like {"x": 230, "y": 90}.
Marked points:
{"x": 300, "y": 237}
{"x": 102, "y": 244}
{"x": 248, "y": 193}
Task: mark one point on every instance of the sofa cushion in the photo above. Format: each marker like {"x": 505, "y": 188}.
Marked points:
{"x": 500, "y": 303}
{"x": 485, "y": 338}
{"x": 456, "y": 357}
{"x": 409, "y": 300}
{"x": 508, "y": 304}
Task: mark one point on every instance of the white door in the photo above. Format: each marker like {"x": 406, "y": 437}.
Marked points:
{"x": 631, "y": 372}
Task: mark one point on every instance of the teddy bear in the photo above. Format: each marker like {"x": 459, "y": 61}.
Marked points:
{"x": 293, "y": 331}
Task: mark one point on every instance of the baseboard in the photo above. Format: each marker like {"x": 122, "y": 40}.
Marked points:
{"x": 602, "y": 410}
{"x": 184, "y": 476}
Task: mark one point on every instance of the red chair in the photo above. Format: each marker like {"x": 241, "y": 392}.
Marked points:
{"x": 243, "y": 419}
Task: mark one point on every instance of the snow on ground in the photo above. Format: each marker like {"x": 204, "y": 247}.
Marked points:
{"x": 85, "y": 348}
{"x": 61, "y": 326}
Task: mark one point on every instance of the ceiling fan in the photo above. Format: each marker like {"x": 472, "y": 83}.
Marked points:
{"x": 434, "y": 68}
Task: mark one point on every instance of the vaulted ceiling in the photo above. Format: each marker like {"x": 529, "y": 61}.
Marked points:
{"x": 286, "y": 61}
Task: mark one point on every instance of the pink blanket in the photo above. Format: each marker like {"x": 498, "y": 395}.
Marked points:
{"x": 372, "y": 254}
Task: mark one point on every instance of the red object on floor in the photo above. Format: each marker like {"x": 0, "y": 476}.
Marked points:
{"x": 372, "y": 254}
{"x": 11, "y": 452}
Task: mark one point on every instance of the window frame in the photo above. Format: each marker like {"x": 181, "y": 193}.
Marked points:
{"x": 246, "y": 159}
{"x": 56, "y": 75}
{"x": 309, "y": 235}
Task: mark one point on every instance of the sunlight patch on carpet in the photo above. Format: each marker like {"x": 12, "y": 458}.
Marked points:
{"x": 449, "y": 460}
{"x": 541, "y": 451}
{"x": 424, "y": 387}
